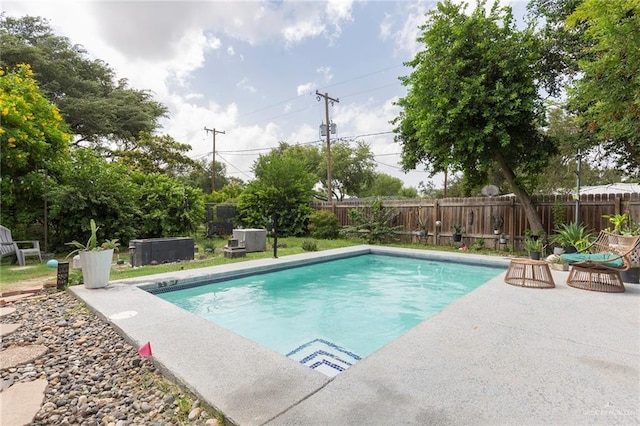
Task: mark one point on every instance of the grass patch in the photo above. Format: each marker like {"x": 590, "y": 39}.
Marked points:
{"x": 11, "y": 274}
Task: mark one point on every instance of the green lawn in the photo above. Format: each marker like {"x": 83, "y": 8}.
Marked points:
{"x": 12, "y": 275}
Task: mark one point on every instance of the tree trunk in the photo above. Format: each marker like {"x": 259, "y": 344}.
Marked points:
{"x": 529, "y": 209}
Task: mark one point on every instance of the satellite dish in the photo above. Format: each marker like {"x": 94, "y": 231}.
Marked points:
{"x": 490, "y": 190}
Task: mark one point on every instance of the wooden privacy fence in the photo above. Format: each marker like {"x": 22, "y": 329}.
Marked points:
{"x": 478, "y": 215}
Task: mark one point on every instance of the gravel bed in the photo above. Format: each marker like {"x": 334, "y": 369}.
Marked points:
{"x": 95, "y": 376}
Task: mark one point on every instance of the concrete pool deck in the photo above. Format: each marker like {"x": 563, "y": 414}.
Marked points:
{"x": 500, "y": 355}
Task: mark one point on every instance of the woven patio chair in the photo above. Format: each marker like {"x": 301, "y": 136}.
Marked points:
{"x": 598, "y": 267}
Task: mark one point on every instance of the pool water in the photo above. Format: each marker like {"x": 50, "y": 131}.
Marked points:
{"x": 352, "y": 306}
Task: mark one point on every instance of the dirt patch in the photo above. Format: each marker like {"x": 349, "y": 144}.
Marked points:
{"x": 30, "y": 284}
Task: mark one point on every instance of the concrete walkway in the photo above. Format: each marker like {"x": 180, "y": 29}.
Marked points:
{"x": 500, "y": 355}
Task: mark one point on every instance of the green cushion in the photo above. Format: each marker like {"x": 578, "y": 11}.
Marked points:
{"x": 596, "y": 257}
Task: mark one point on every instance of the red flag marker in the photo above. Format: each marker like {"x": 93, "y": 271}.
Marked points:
{"x": 145, "y": 350}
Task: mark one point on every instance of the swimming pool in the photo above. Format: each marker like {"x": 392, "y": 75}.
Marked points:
{"x": 330, "y": 315}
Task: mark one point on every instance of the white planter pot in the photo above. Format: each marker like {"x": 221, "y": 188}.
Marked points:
{"x": 96, "y": 267}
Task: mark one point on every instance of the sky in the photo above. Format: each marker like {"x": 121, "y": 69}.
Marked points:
{"x": 251, "y": 69}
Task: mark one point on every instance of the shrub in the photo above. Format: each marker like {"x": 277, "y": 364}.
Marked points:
{"x": 324, "y": 225}
{"x": 309, "y": 245}
{"x": 374, "y": 225}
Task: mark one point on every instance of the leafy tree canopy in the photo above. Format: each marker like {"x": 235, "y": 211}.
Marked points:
{"x": 34, "y": 141}
{"x": 561, "y": 46}
{"x": 607, "y": 96}
{"x": 472, "y": 103}
{"x": 282, "y": 190}
{"x": 97, "y": 109}
{"x": 154, "y": 153}
{"x": 383, "y": 185}
{"x": 352, "y": 169}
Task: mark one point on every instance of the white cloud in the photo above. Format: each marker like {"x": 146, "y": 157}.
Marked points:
{"x": 301, "y": 30}
{"x": 326, "y": 74}
{"x": 244, "y": 85}
{"x": 213, "y": 43}
{"x": 305, "y": 88}
{"x": 164, "y": 46}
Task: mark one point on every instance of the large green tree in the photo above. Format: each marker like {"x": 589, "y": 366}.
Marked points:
{"x": 99, "y": 110}
{"x": 561, "y": 45}
{"x": 282, "y": 189}
{"x": 607, "y": 96}
{"x": 472, "y": 103}
{"x": 34, "y": 142}
{"x": 352, "y": 169}
{"x": 125, "y": 204}
{"x": 156, "y": 153}
{"x": 352, "y": 166}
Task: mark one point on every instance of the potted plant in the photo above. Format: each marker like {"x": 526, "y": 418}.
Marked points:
{"x": 503, "y": 239}
{"x": 95, "y": 259}
{"x": 423, "y": 228}
{"x": 571, "y": 237}
{"x": 556, "y": 262}
{"x": 624, "y": 226}
{"x": 457, "y": 231}
{"x": 497, "y": 224}
{"x": 534, "y": 247}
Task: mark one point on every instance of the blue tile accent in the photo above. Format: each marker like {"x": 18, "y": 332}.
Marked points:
{"x": 326, "y": 342}
{"x": 325, "y": 362}
{"x": 320, "y": 353}
{"x": 328, "y": 354}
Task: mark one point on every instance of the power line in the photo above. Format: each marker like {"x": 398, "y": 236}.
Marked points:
{"x": 227, "y": 161}
{"x": 242, "y": 116}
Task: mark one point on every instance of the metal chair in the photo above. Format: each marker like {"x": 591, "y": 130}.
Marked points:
{"x": 19, "y": 249}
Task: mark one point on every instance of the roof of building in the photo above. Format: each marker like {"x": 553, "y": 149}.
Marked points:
{"x": 612, "y": 188}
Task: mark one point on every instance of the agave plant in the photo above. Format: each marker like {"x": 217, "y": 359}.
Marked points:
{"x": 572, "y": 235}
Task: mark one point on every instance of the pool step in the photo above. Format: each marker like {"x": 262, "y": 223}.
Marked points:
{"x": 324, "y": 356}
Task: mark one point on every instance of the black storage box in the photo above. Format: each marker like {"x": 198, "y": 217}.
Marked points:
{"x": 160, "y": 250}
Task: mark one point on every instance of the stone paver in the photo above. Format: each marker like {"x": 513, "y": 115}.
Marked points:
{"x": 6, "y": 310}
{"x": 21, "y": 402}
{"x": 6, "y": 329}
{"x": 17, "y": 355}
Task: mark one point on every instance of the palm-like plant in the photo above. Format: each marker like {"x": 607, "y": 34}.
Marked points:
{"x": 572, "y": 235}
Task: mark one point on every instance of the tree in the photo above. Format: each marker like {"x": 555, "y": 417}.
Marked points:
{"x": 561, "y": 46}
{"x": 229, "y": 193}
{"x": 91, "y": 187}
{"x": 606, "y": 97}
{"x": 282, "y": 190}
{"x": 473, "y": 103}
{"x": 34, "y": 141}
{"x": 383, "y": 185}
{"x": 352, "y": 169}
{"x": 97, "y": 109}
{"x": 125, "y": 204}
{"x": 154, "y": 153}
{"x": 169, "y": 208}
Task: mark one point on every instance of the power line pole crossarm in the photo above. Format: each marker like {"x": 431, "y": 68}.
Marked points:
{"x": 328, "y": 99}
{"x": 213, "y": 162}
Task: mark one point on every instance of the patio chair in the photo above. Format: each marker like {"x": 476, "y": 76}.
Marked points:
{"x": 598, "y": 267}
{"x": 19, "y": 249}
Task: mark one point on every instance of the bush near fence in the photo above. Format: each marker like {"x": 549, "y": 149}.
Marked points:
{"x": 477, "y": 215}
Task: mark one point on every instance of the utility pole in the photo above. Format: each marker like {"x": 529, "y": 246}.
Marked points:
{"x": 213, "y": 162}
{"x": 577, "y": 196}
{"x": 327, "y": 99}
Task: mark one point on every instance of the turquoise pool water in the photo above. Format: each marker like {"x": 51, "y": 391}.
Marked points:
{"x": 358, "y": 304}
